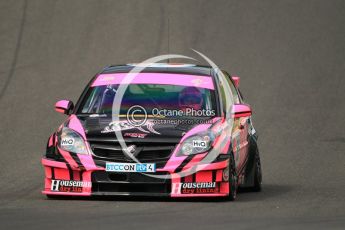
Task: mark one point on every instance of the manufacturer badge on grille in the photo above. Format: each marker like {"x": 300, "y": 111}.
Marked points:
{"x": 130, "y": 151}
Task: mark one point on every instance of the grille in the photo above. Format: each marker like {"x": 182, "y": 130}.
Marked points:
{"x": 144, "y": 152}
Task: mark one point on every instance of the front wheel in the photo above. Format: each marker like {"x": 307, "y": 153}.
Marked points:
{"x": 232, "y": 179}
{"x": 52, "y": 197}
{"x": 257, "y": 173}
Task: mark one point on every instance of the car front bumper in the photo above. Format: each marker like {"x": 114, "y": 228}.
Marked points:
{"x": 62, "y": 178}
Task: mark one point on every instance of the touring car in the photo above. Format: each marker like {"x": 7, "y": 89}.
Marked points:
{"x": 176, "y": 130}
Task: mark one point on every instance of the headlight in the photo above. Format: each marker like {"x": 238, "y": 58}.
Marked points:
{"x": 199, "y": 143}
{"x": 71, "y": 141}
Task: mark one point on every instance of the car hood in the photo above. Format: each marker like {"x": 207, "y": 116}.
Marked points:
{"x": 152, "y": 130}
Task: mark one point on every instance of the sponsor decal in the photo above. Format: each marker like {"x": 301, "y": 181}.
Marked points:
{"x": 130, "y": 167}
{"x": 135, "y": 135}
{"x": 67, "y": 141}
{"x": 199, "y": 144}
{"x": 195, "y": 188}
{"x": 69, "y": 185}
{"x": 116, "y": 126}
{"x": 183, "y": 112}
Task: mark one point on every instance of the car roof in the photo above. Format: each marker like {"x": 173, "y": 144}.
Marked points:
{"x": 178, "y": 68}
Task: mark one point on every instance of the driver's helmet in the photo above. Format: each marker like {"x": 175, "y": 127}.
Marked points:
{"x": 190, "y": 97}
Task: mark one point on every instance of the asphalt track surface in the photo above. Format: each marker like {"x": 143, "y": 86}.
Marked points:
{"x": 290, "y": 57}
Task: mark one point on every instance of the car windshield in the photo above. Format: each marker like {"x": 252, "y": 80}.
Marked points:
{"x": 157, "y": 99}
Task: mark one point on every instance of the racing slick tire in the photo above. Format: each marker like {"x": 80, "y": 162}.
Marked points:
{"x": 253, "y": 173}
{"x": 52, "y": 197}
{"x": 232, "y": 178}
{"x": 257, "y": 174}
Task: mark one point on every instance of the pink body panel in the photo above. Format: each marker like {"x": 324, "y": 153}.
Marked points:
{"x": 155, "y": 78}
{"x": 236, "y": 80}
{"x": 219, "y": 175}
{"x": 88, "y": 162}
{"x": 213, "y": 166}
{"x": 67, "y": 193}
{"x": 176, "y": 161}
{"x": 51, "y": 163}
{"x": 87, "y": 177}
{"x": 195, "y": 161}
{"x": 241, "y": 110}
{"x": 199, "y": 195}
{"x": 62, "y": 104}
{"x": 203, "y": 176}
{"x": 50, "y": 142}
{"x": 75, "y": 124}
{"x": 68, "y": 158}
{"x": 61, "y": 172}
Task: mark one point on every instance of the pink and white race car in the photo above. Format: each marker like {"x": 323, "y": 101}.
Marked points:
{"x": 169, "y": 130}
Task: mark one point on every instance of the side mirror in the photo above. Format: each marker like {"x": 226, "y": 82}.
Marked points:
{"x": 236, "y": 80}
{"x": 241, "y": 110}
{"x": 64, "y": 106}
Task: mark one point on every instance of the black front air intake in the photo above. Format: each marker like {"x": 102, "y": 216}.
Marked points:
{"x": 130, "y": 183}
{"x": 146, "y": 152}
